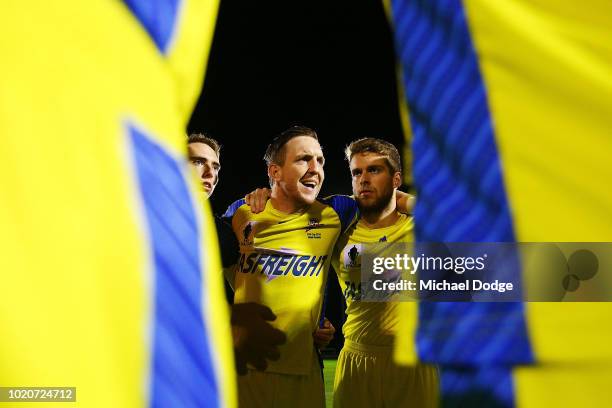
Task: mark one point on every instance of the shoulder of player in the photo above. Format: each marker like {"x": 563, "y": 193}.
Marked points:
{"x": 339, "y": 203}
{"x": 344, "y": 207}
{"x": 405, "y": 222}
{"x": 335, "y": 198}
{"x": 406, "y": 230}
{"x": 238, "y": 209}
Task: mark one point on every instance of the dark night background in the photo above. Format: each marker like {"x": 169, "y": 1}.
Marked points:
{"x": 329, "y": 65}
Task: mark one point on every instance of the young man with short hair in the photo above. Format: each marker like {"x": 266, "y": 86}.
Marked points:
{"x": 255, "y": 340}
{"x": 366, "y": 375}
{"x": 285, "y": 253}
{"x": 204, "y": 154}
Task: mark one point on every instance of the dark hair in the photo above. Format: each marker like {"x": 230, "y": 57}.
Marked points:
{"x": 275, "y": 153}
{"x": 202, "y": 138}
{"x": 378, "y": 146}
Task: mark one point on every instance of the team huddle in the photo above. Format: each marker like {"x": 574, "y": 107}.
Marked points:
{"x": 111, "y": 270}
{"x": 277, "y": 260}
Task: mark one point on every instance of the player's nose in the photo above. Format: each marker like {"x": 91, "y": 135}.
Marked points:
{"x": 207, "y": 171}
{"x": 315, "y": 167}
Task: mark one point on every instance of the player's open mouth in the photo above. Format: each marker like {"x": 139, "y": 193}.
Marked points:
{"x": 311, "y": 184}
{"x": 206, "y": 185}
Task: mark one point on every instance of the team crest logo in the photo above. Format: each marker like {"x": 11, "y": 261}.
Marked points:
{"x": 313, "y": 223}
{"x": 247, "y": 234}
{"x": 352, "y": 256}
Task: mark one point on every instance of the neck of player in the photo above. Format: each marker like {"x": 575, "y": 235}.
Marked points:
{"x": 380, "y": 218}
{"x": 281, "y": 203}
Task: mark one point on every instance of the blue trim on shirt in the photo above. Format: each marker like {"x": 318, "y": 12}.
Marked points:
{"x": 182, "y": 369}
{"x": 158, "y": 17}
{"x": 231, "y": 210}
{"x": 346, "y": 208}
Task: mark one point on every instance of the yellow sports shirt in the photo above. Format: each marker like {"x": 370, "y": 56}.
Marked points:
{"x": 369, "y": 323}
{"x": 284, "y": 259}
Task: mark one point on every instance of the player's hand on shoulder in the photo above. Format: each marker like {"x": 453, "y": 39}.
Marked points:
{"x": 257, "y": 199}
{"x": 405, "y": 202}
{"x": 323, "y": 335}
{"x": 255, "y": 339}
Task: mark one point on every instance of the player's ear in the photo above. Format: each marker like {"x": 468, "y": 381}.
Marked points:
{"x": 274, "y": 172}
{"x": 397, "y": 179}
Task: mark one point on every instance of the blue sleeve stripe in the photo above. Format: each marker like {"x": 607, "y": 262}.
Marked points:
{"x": 231, "y": 210}
{"x": 345, "y": 207}
{"x": 182, "y": 368}
{"x": 457, "y": 168}
{"x": 158, "y": 17}
{"x": 458, "y": 176}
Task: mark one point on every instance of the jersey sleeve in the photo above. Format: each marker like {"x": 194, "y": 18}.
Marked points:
{"x": 231, "y": 210}
{"x": 345, "y": 207}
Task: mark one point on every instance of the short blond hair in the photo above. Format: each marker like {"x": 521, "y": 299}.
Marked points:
{"x": 207, "y": 140}
{"x": 378, "y": 146}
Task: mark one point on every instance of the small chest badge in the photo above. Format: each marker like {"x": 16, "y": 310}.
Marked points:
{"x": 247, "y": 234}
{"x": 352, "y": 256}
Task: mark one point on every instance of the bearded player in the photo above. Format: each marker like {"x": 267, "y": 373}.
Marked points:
{"x": 366, "y": 375}
{"x": 257, "y": 202}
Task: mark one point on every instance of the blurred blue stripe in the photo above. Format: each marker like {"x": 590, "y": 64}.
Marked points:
{"x": 461, "y": 192}
{"x": 182, "y": 369}
{"x": 158, "y": 18}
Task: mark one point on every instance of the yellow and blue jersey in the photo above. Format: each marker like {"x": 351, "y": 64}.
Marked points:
{"x": 283, "y": 264}
{"x": 510, "y": 105}
{"x": 370, "y": 323}
{"x": 110, "y": 272}
{"x": 367, "y": 373}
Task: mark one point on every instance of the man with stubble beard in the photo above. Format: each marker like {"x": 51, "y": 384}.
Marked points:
{"x": 366, "y": 374}
{"x": 285, "y": 253}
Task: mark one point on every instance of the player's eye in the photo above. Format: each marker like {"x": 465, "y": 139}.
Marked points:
{"x": 197, "y": 162}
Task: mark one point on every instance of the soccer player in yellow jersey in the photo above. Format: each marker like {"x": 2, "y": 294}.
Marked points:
{"x": 255, "y": 340}
{"x": 285, "y": 252}
{"x": 366, "y": 375}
